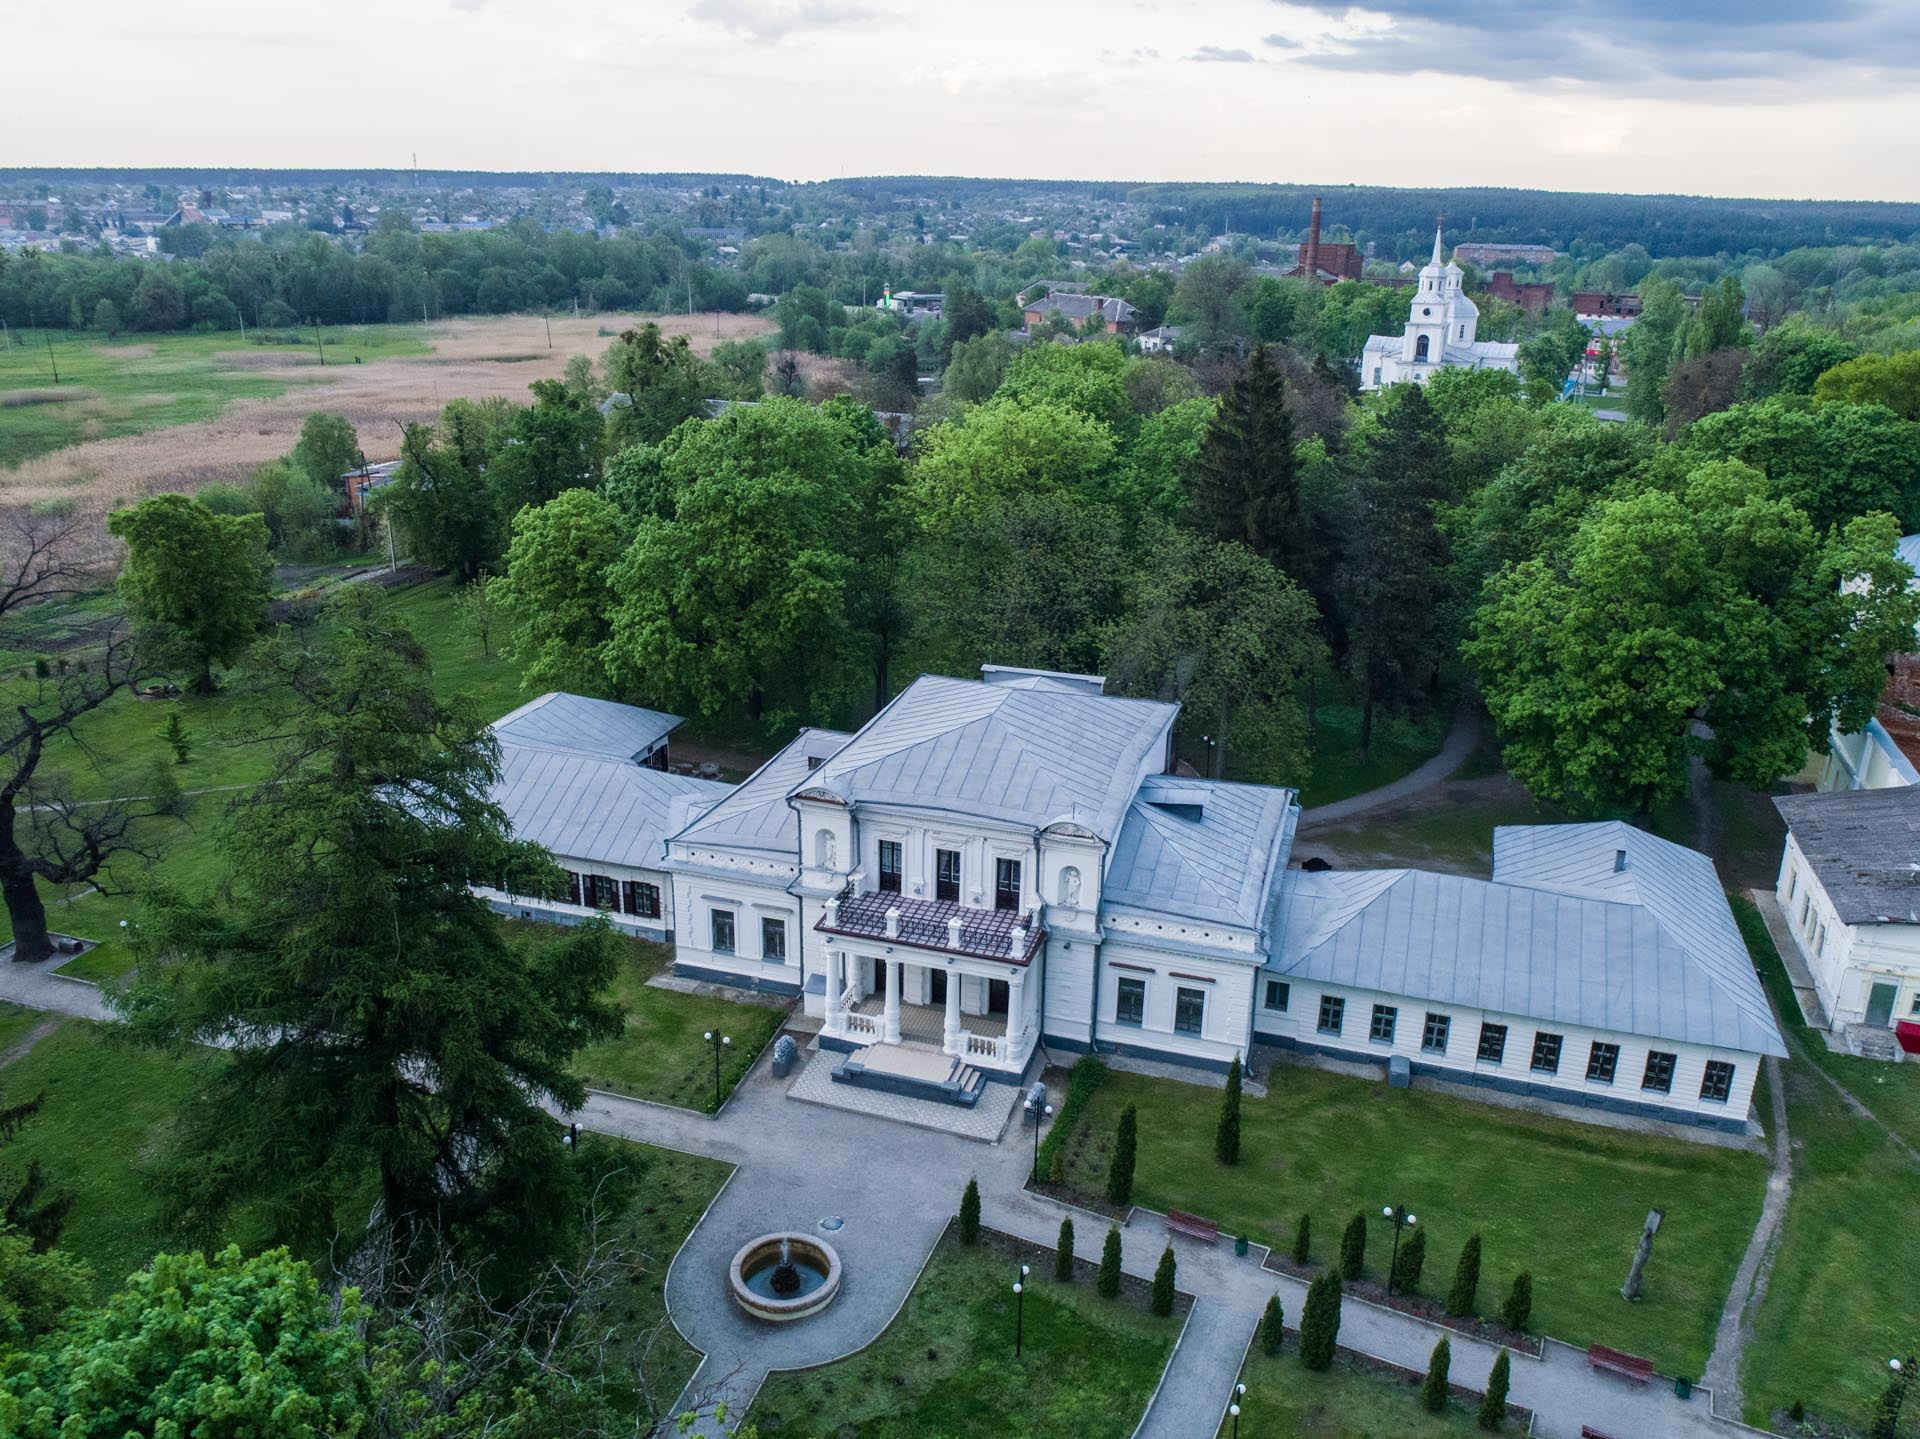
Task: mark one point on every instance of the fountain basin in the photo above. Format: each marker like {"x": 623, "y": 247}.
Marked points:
{"x": 811, "y": 1280}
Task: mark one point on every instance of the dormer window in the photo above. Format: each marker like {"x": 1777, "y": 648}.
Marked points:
{"x": 814, "y": 762}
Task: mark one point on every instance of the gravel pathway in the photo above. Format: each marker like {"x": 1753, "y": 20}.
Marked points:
{"x": 1730, "y": 1340}
{"x": 1459, "y": 744}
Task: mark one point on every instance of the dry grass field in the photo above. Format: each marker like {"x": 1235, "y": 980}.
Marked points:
{"x": 475, "y": 357}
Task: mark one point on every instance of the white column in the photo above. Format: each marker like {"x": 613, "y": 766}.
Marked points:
{"x": 892, "y": 1035}
{"x": 836, "y": 989}
{"x": 951, "y": 1031}
{"x": 1016, "y": 1013}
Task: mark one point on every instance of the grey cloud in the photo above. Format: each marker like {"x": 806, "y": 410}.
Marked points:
{"x": 770, "y": 21}
{"x": 1280, "y": 42}
{"x": 1619, "y": 42}
{"x": 1216, "y": 55}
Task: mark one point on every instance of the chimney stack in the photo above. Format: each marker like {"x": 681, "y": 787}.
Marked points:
{"x": 1310, "y": 265}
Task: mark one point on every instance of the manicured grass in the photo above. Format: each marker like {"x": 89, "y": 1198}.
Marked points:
{"x": 15, "y": 1022}
{"x": 1891, "y": 1091}
{"x": 1400, "y": 746}
{"x": 945, "y": 1367}
{"x": 1286, "y": 1401}
{"x": 662, "y": 1055}
{"x": 136, "y": 383}
{"x": 1562, "y": 1200}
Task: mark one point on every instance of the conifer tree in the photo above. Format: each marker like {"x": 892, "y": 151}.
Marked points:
{"x": 1353, "y": 1248}
{"x": 1120, "y": 1170}
{"x": 1433, "y": 1390}
{"x": 1273, "y": 1330}
{"x": 1411, "y": 1260}
{"x": 1245, "y": 485}
{"x": 1301, "y": 1238}
{"x": 1466, "y": 1280}
{"x": 1519, "y": 1306}
{"x": 1109, "y": 1283}
{"x": 970, "y": 1213}
{"x": 1493, "y": 1407}
{"x": 1320, "y": 1321}
{"x": 1162, "y": 1303}
{"x": 1063, "y": 1253}
{"x": 1226, "y": 1134}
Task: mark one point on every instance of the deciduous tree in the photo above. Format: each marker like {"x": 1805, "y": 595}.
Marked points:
{"x": 557, "y": 594}
{"x": 195, "y": 581}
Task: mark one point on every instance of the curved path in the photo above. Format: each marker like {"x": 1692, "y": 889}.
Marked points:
{"x": 1454, "y": 752}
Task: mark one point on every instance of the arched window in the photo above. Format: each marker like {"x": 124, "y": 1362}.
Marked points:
{"x": 1463, "y": 332}
{"x": 1420, "y": 349}
{"x": 1070, "y": 887}
{"x": 823, "y": 849}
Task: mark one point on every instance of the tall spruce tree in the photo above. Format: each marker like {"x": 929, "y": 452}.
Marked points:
{"x": 1120, "y": 1168}
{"x": 1226, "y": 1133}
{"x": 1410, "y": 1261}
{"x": 1519, "y": 1305}
{"x": 1063, "y": 1253}
{"x": 1493, "y": 1407}
{"x": 1320, "y": 1321}
{"x": 1108, "y": 1283}
{"x": 1245, "y": 484}
{"x": 1273, "y": 1328}
{"x": 1302, "y": 1237}
{"x": 376, "y": 1020}
{"x": 970, "y": 1213}
{"x": 1353, "y": 1248}
{"x": 1465, "y": 1292}
{"x": 1162, "y": 1300}
{"x": 1393, "y": 593}
{"x": 1433, "y": 1389}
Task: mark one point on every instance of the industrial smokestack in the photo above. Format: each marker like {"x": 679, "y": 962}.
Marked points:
{"x": 1310, "y": 266}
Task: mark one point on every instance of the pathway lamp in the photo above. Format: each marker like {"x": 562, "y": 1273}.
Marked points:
{"x": 719, "y": 1042}
{"x": 1398, "y": 1216}
{"x": 1040, "y": 1113}
{"x": 1239, "y": 1393}
{"x": 1019, "y": 1310}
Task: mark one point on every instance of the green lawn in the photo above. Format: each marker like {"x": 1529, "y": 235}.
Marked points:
{"x": 135, "y": 383}
{"x": 945, "y": 1368}
{"x": 491, "y": 682}
{"x": 662, "y": 1055}
{"x": 1560, "y": 1199}
{"x": 1285, "y": 1401}
{"x": 1400, "y": 746}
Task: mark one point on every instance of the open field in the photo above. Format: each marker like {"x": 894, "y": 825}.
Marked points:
{"x": 228, "y": 407}
{"x": 945, "y": 1367}
{"x": 1560, "y": 1199}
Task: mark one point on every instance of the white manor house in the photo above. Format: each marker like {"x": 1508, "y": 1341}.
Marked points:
{"x": 988, "y": 866}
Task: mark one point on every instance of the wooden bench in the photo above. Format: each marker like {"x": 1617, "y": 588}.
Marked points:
{"x": 1627, "y": 1366}
{"x": 1193, "y": 1226}
{"x": 1587, "y": 1431}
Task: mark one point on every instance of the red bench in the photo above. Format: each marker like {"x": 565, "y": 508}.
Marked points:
{"x": 1587, "y": 1431}
{"x": 1627, "y": 1366}
{"x": 1193, "y": 1226}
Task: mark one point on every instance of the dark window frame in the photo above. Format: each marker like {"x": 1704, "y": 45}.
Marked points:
{"x": 1006, "y": 883}
{"x": 946, "y": 886}
{"x": 1493, "y": 1044}
{"x": 573, "y": 886}
{"x": 1435, "y": 1033}
{"x": 1383, "y": 1024}
{"x": 1334, "y": 1005}
{"x": 1721, "y": 1070}
{"x": 1603, "y": 1061}
{"x": 770, "y": 926}
{"x": 642, "y": 898}
{"x": 1189, "y": 1010}
{"x": 1657, "y": 1077}
{"x": 605, "y": 890}
{"x": 1132, "y": 1014}
{"x": 714, "y": 920}
{"x": 1547, "y": 1050}
{"x": 1285, "y": 991}
{"x": 890, "y": 849}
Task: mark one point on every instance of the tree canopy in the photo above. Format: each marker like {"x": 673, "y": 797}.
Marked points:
{"x": 196, "y": 581}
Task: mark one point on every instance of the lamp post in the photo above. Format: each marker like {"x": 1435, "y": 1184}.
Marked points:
{"x": 1398, "y": 1216}
{"x": 719, "y": 1042}
{"x": 1040, "y": 1113}
{"x": 1019, "y": 1310}
{"x": 1239, "y": 1393}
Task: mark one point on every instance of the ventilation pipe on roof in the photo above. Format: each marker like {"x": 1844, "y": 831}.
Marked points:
{"x": 1619, "y": 861}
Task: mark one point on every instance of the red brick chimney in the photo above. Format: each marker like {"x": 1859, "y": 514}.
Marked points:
{"x": 1310, "y": 264}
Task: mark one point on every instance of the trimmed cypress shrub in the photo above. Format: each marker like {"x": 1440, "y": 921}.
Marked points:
{"x": 1120, "y": 1171}
{"x": 1433, "y": 1389}
{"x": 1409, "y": 1262}
{"x": 1226, "y": 1134}
{"x": 1273, "y": 1329}
{"x": 1353, "y": 1248}
{"x": 1063, "y": 1253}
{"x": 1109, "y": 1285}
{"x": 1086, "y": 1076}
{"x": 970, "y": 1213}
{"x": 1465, "y": 1293}
{"x": 1163, "y": 1284}
{"x": 1493, "y": 1408}
{"x": 1300, "y": 1237}
{"x": 1519, "y": 1306}
{"x": 1320, "y": 1321}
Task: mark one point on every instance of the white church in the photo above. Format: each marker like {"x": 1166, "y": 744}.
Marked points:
{"x": 1440, "y": 334}
{"x": 991, "y": 866}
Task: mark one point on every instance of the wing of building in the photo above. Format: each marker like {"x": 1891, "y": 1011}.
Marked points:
{"x": 1441, "y": 333}
{"x": 991, "y": 865}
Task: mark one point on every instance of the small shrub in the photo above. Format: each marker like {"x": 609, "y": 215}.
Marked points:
{"x": 1320, "y": 1322}
{"x": 175, "y": 735}
{"x": 1163, "y": 1284}
{"x": 1433, "y": 1389}
{"x": 1120, "y": 1171}
{"x": 1087, "y": 1075}
{"x": 1300, "y": 1239}
{"x": 1063, "y": 1253}
{"x": 1519, "y": 1306}
{"x": 1465, "y": 1293}
{"x": 1797, "y": 1412}
{"x": 1109, "y": 1285}
{"x": 1226, "y": 1133}
{"x": 1411, "y": 1259}
{"x": 970, "y": 1213}
{"x": 1493, "y": 1407}
{"x": 1353, "y": 1248}
{"x": 1273, "y": 1329}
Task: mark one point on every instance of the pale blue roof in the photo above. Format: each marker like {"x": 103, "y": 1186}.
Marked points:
{"x": 579, "y": 725}
{"x": 1566, "y": 932}
{"x": 1908, "y": 548}
{"x": 1021, "y": 753}
{"x": 1201, "y": 849}
{"x": 756, "y": 816}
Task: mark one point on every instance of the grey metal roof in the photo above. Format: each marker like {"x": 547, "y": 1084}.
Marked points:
{"x": 579, "y": 725}
{"x": 756, "y": 816}
{"x": 583, "y": 807}
{"x": 1201, "y": 849}
{"x": 1864, "y": 846}
{"x": 1560, "y": 934}
{"x": 1022, "y": 756}
{"x": 1908, "y": 549}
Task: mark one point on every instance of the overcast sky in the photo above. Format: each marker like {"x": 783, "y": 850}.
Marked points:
{"x": 1740, "y": 97}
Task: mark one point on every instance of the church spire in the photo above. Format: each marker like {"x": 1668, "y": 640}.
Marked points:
{"x": 1438, "y": 225}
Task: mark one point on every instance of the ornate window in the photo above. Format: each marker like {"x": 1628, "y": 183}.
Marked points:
{"x": 1420, "y": 349}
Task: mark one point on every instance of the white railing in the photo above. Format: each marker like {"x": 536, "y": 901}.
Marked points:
{"x": 861, "y": 1024}
{"x": 986, "y": 1045}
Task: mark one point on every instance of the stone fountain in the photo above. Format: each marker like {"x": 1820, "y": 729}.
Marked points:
{"x": 783, "y": 1277}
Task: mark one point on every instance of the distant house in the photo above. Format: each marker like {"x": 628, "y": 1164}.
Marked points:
{"x": 1604, "y": 304}
{"x": 1118, "y": 317}
{"x": 361, "y": 484}
{"x": 1849, "y": 886}
{"x": 1531, "y": 296}
{"x": 1160, "y": 339}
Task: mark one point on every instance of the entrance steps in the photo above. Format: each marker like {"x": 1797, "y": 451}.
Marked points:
{"x": 914, "y": 1070}
{"x": 1872, "y": 1042}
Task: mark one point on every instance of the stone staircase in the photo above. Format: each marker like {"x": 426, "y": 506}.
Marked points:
{"x": 912, "y": 1072}
{"x": 1872, "y": 1042}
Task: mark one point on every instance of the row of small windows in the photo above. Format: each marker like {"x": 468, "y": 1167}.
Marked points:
{"x": 1603, "y": 1058}
{"x": 1189, "y": 1006}
{"x": 773, "y": 936}
{"x": 632, "y": 896}
{"x": 946, "y": 876}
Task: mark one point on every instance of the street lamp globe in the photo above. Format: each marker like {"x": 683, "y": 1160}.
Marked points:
{"x": 1413, "y": 1219}
{"x": 1018, "y": 1287}
{"x": 1386, "y": 1211}
{"x": 1234, "y": 1410}
{"x": 1894, "y": 1365}
{"x": 708, "y": 1036}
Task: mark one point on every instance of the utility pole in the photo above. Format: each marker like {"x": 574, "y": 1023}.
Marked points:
{"x": 547, "y": 320}
{"x": 51, "y": 360}
{"x": 321, "y": 342}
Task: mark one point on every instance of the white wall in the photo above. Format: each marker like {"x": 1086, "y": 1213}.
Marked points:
{"x": 696, "y": 896}
{"x": 620, "y": 873}
{"x": 1226, "y": 984}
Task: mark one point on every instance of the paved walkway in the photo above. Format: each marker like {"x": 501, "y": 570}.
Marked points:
{"x": 1730, "y": 1340}
{"x": 1459, "y": 744}
{"x": 895, "y": 1188}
